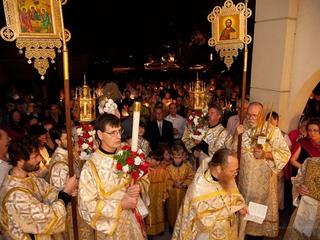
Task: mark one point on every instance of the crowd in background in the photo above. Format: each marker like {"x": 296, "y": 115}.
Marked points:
{"x": 165, "y": 108}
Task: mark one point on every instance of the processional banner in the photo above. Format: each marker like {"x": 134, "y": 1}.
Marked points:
{"x": 228, "y": 27}
{"x": 36, "y": 26}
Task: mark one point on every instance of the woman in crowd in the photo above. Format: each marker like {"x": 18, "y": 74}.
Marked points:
{"x": 308, "y": 146}
{"x": 15, "y": 128}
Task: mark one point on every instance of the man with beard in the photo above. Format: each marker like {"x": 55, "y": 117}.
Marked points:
{"x": 30, "y": 208}
{"x": 228, "y": 32}
{"x": 105, "y": 198}
{"x": 211, "y": 202}
{"x": 264, "y": 153}
{"x": 59, "y": 174}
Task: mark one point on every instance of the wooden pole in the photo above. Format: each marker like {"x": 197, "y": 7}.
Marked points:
{"x": 65, "y": 59}
{"x": 244, "y": 81}
{"x": 243, "y": 223}
{"x": 197, "y": 163}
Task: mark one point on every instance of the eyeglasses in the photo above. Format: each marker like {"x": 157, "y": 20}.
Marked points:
{"x": 253, "y": 116}
{"x": 313, "y": 130}
{"x": 115, "y": 132}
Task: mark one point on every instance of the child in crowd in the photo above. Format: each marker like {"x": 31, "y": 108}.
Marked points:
{"x": 167, "y": 160}
{"x": 155, "y": 221}
{"x": 143, "y": 144}
{"x": 179, "y": 177}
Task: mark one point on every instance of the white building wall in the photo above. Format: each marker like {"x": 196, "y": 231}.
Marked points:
{"x": 286, "y": 65}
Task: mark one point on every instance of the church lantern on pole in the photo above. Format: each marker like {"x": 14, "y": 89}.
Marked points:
{"x": 85, "y": 104}
{"x": 199, "y": 95}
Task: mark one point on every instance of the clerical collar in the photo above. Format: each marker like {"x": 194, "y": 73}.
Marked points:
{"x": 106, "y": 152}
{"x": 214, "y": 125}
{"x": 61, "y": 150}
{"x": 214, "y": 178}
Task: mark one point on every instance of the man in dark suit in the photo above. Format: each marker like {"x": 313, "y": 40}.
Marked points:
{"x": 159, "y": 130}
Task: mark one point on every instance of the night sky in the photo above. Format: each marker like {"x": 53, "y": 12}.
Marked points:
{"x": 134, "y": 25}
{"x": 122, "y": 33}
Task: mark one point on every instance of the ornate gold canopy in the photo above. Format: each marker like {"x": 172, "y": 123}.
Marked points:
{"x": 229, "y": 33}
{"x": 199, "y": 94}
{"x": 85, "y": 104}
{"x": 37, "y": 27}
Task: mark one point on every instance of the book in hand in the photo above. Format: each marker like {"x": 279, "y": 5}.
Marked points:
{"x": 312, "y": 177}
{"x": 257, "y": 212}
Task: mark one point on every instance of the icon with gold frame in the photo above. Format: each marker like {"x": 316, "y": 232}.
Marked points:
{"x": 36, "y": 25}
{"x": 228, "y": 27}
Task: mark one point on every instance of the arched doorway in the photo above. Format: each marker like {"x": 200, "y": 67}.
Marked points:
{"x": 311, "y": 85}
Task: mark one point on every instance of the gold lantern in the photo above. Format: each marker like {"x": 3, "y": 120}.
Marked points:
{"x": 84, "y": 104}
{"x": 199, "y": 95}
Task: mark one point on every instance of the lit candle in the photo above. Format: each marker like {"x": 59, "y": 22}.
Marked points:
{"x": 135, "y": 126}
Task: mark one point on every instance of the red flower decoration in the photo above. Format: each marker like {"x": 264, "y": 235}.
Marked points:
{"x": 80, "y": 141}
{"x": 135, "y": 175}
{"x": 130, "y": 161}
{"x": 144, "y": 167}
{"x": 119, "y": 166}
{"x": 196, "y": 123}
{"x": 133, "y": 163}
{"x": 126, "y": 147}
{"x": 86, "y": 136}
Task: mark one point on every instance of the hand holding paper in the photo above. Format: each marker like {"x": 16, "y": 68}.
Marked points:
{"x": 257, "y": 212}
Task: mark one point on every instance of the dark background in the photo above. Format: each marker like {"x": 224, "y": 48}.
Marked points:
{"x": 108, "y": 34}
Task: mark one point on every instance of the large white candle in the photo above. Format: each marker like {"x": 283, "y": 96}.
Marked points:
{"x": 135, "y": 126}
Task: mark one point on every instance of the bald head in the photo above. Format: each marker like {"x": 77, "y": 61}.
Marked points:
{"x": 256, "y": 104}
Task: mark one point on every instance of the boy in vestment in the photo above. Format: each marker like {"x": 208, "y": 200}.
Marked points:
{"x": 179, "y": 177}
{"x": 143, "y": 143}
{"x": 155, "y": 221}
{"x": 167, "y": 160}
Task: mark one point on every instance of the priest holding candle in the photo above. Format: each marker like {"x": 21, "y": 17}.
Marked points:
{"x": 108, "y": 197}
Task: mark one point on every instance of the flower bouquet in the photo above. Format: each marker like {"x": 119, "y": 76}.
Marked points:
{"x": 85, "y": 140}
{"x": 196, "y": 123}
{"x": 134, "y": 164}
{"x": 107, "y": 105}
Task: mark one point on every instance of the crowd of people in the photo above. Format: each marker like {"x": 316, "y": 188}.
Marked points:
{"x": 196, "y": 186}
